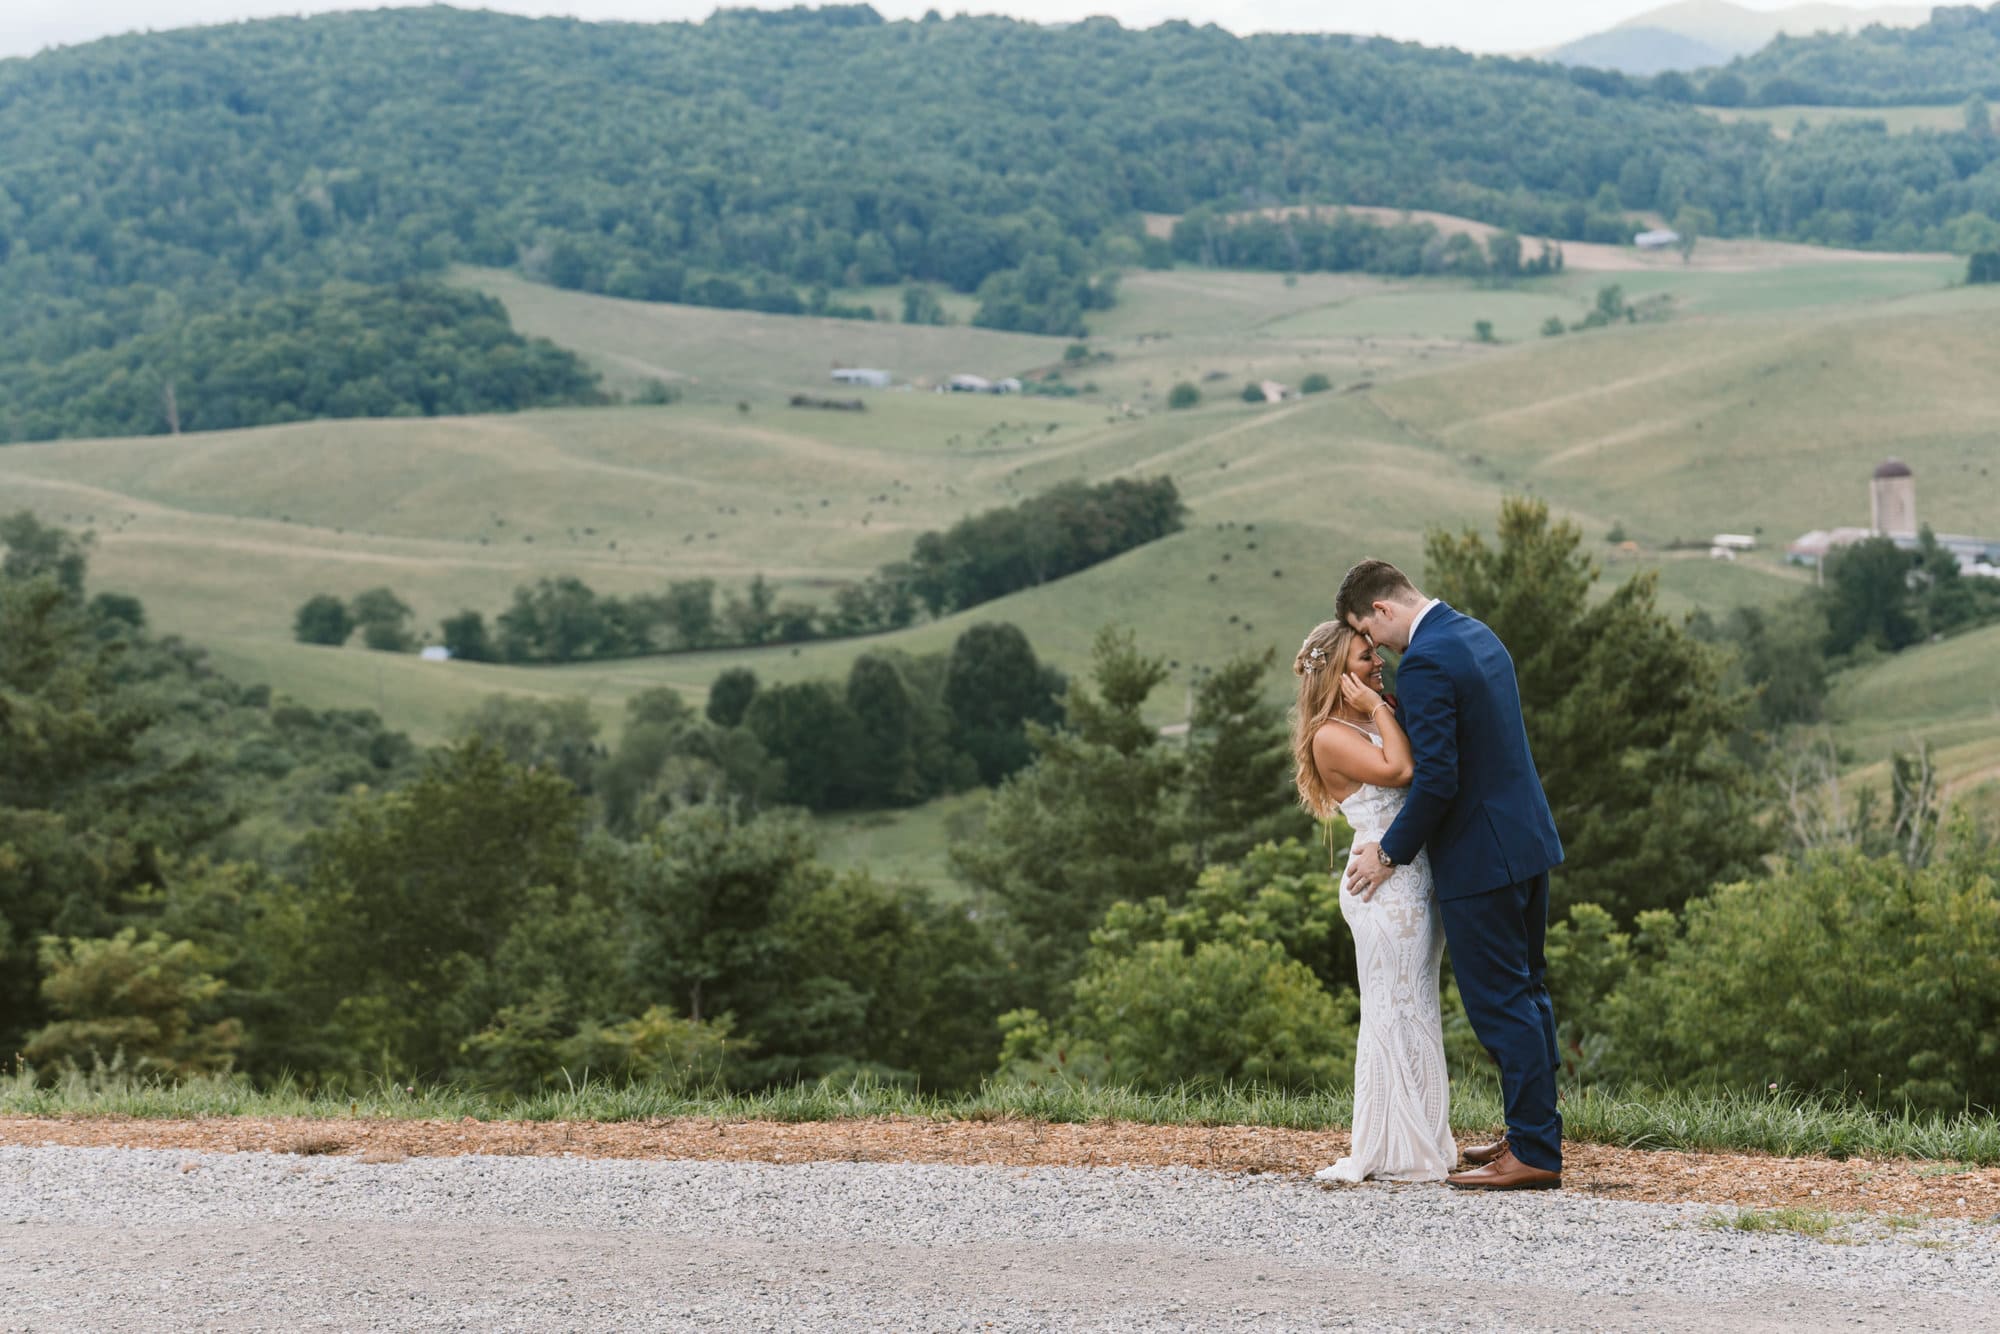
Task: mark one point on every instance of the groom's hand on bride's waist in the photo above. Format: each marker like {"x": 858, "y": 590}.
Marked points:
{"x": 1366, "y": 871}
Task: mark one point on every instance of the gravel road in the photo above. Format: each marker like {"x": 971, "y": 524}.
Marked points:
{"x": 115, "y": 1239}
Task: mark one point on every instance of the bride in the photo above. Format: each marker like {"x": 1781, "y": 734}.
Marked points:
{"x": 1354, "y": 758}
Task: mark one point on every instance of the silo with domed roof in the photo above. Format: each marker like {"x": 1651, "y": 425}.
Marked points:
{"x": 1892, "y": 498}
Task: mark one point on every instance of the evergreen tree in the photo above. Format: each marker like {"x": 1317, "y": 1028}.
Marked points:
{"x": 1095, "y": 819}
{"x": 1630, "y": 725}
{"x": 1239, "y": 779}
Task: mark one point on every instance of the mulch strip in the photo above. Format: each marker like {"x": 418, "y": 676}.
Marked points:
{"x": 1893, "y": 1186}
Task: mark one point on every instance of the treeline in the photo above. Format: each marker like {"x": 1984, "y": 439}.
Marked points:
{"x": 980, "y": 154}
{"x": 901, "y": 729}
{"x": 1070, "y": 527}
{"x": 1057, "y": 532}
{"x": 1337, "y": 241}
{"x": 409, "y": 349}
{"x": 523, "y": 903}
{"x": 898, "y": 730}
{"x": 560, "y": 618}
{"x": 1952, "y": 57}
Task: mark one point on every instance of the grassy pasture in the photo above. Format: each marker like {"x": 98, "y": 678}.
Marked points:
{"x": 907, "y": 846}
{"x": 1772, "y": 290}
{"x": 1763, "y": 409}
{"x": 1754, "y": 425}
{"x": 1899, "y": 120}
{"x": 1947, "y": 694}
{"x": 719, "y": 354}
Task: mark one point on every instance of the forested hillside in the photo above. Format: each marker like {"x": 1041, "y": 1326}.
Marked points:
{"x": 762, "y": 159}
{"x": 409, "y": 349}
{"x": 1953, "y": 57}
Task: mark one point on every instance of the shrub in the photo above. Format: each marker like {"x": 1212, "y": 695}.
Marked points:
{"x": 1183, "y": 395}
{"x": 1229, "y": 1011}
{"x": 323, "y": 619}
{"x": 132, "y": 1002}
{"x": 1838, "y": 972}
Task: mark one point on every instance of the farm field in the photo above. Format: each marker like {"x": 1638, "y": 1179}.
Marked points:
{"x": 1760, "y": 406}
{"x": 718, "y": 354}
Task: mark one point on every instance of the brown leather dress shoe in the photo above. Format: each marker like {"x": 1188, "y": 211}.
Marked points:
{"x": 1481, "y": 1154}
{"x": 1506, "y": 1173}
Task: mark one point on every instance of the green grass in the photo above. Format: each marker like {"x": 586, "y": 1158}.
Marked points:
{"x": 1946, "y": 693}
{"x": 718, "y": 355}
{"x": 1188, "y": 301}
{"x": 1748, "y": 425}
{"x": 1900, "y": 120}
{"x": 1761, "y": 408}
{"x": 1775, "y": 290}
{"x": 1815, "y": 1224}
{"x": 905, "y": 846}
{"x": 1785, "y": 1124}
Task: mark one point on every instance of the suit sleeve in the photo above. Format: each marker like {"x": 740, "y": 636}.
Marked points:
{"x": 1429, "y": 714}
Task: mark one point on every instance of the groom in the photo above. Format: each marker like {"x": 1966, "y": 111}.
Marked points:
{"x": 1477, "y": 804}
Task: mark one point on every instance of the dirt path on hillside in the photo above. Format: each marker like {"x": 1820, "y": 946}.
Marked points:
{"x": 1900, "y": 1187}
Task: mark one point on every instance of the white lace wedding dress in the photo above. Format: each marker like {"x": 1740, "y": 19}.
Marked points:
{"x": 1402, "y": 1095}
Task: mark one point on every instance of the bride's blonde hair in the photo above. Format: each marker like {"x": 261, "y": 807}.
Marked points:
{"x": 1319, "y": 664}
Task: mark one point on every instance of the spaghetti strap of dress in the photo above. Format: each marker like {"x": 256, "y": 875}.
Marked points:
{"x": 1357, "y": 727}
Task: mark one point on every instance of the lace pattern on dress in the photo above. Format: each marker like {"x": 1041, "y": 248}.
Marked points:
{"x": 1402, "y": 1091}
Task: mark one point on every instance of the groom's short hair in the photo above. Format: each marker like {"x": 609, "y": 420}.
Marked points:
{"x": 1370, "y": 582}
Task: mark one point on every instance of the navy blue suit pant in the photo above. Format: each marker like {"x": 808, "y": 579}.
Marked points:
{"x": 1497, "y": 955}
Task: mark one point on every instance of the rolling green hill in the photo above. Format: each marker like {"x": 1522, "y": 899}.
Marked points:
{"x": 750, "y": 160}
{"x": 1947, "y": 694}
{"x": 1727, "y": 421}
{"x": 1007, "y": 164}
{"x": 1762, "y": 403}
{"x": 719, "y": 355}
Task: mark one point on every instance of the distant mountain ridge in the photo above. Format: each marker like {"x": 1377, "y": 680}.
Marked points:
{"x": 1699, "y": 34}
{"x": 1640, "y": 52}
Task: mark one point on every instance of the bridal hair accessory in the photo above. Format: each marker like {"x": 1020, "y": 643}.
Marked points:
{"x": 1318, "y": 655}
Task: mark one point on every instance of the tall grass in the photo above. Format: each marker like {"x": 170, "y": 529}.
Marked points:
{"x": 1784, "y": 1122}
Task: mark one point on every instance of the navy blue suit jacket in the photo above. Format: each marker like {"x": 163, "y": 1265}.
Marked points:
{"x": 1475, "y": 800}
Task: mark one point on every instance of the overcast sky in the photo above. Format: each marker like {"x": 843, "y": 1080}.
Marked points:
{"x": 26, "y": 26}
